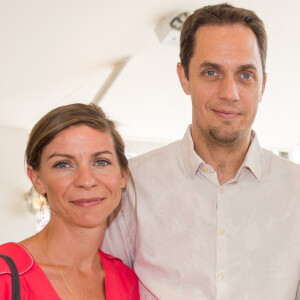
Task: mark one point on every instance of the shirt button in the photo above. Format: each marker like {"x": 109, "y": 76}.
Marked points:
{"x": 205, "y": 168}
{"x": 222, "y": 191}
{"x": 221, "y": 276}
{"x": 222, "y": 231}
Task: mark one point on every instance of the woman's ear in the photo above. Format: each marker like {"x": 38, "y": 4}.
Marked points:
{"x": 36, "y": 180}
{"x": 123, "y": 179}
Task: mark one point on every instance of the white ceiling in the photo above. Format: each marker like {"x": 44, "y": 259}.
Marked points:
{"x": 61, "y": 51}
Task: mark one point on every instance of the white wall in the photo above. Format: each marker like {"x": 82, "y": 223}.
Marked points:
{"x": 16, "y": 222}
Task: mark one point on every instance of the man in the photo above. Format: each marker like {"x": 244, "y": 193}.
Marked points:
{"x": 217, "y": 217}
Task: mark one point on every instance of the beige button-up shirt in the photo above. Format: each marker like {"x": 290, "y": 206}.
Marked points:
{"x": 193, "y": 238}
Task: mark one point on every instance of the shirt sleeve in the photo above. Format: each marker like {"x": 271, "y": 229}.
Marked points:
{"x": 120, "y": 235}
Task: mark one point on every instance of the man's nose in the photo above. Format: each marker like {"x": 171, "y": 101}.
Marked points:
{"x": 229, "y": 89}
{"x": 86, "y": 177}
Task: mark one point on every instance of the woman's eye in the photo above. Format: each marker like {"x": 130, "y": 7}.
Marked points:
{"x": 246, "y": 76}
{"x": 102, "y": 162}
{"x": 61, "y": 165}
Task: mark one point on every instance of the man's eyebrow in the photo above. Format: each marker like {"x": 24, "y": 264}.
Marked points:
{"x": 248, "y": 66}
{"x": 208, "y": 64}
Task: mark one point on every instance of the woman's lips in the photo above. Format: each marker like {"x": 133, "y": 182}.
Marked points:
{"x": 225, "y": 114}
{"x": 87, "y": 202}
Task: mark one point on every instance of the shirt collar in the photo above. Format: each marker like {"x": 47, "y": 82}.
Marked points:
{"x": 192, "y": 161}
{"x": 252, "y": 159}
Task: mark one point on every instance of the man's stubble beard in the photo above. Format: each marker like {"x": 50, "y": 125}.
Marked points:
{"x": 221, "y": 136}
{"x": 226, "y": 140}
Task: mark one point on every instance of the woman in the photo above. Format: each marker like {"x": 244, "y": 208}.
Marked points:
{"x": 75, "y": 158}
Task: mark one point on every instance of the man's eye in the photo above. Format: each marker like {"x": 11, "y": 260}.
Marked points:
{"x": 211, "y": 73}
{"x": 246, "y": 76}
{"x": 61, "y": 165}
{"x": 102, "y": 162}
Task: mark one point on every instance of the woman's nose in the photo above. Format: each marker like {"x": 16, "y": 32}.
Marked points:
{"x": 86, "y": 178}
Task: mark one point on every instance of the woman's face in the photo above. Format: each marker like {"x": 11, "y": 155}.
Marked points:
{"x": 80, "y": 173}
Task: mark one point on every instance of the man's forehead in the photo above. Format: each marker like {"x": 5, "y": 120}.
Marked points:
{"x": 226, "y": 31}
{"x": 221, "y": 43}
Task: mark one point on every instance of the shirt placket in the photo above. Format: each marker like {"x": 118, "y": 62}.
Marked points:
{"x": 222, "y": 268}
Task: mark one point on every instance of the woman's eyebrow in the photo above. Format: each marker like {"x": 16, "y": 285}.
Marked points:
{"x": 60, "y": 154}
{"x": 102, "y": 152}
{"x": 72, "y": 157}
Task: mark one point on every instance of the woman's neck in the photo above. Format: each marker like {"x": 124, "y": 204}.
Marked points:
{"x": 72, "y": 245}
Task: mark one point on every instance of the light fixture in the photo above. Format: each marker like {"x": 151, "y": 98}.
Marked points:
{"x": 168, "y": 29}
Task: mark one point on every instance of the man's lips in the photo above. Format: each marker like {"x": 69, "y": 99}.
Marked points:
{"x": 226, "y": 114}
{"x": 87, "y": 202}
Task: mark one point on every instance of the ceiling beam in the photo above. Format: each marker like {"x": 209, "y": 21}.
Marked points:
{"x": 118, "y": 67}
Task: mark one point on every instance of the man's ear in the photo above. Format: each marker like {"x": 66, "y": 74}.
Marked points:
{"x": 182, "y": 78}
{"x": 36, "y": 180}
{"x": 263, "y": 86}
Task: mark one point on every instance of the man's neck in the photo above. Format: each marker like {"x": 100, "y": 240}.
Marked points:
{"x": 225, "y": 160}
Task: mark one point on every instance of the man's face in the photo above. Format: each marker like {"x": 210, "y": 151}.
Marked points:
{"x": 226, "y": 83}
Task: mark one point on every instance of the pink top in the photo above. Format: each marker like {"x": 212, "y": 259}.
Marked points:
{"x": 120, "y": 281}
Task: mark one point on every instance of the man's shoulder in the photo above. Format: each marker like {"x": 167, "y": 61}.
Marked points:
{"x": 164, "y": 154}
{"x": 274, "y": 160}
{"x": 282, "y": 167}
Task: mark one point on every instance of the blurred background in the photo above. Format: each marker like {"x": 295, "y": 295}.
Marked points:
{"x": 121, "y": 55}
